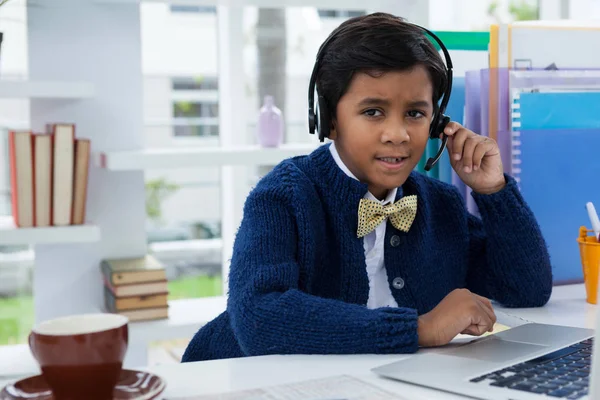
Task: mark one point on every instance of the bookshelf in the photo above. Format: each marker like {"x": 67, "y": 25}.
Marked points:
{"x": 198, "y": 157}
{"x": 12, "y": 236}
{"x": 94, "y": 80}
{"x": 46, "y": 90}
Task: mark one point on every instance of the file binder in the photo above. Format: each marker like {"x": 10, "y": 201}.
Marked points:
{"x": 554, "y": 159}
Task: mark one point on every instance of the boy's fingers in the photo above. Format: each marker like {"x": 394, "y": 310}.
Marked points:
{"x": 458, "y": 144}
{"x": 468, "y": 152}
{"x": 452, "y": 128}
{"x": 479, "y": 153}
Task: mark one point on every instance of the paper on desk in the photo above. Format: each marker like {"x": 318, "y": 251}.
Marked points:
{"x": 508, "y": 319}
{"x": 504, "y": 321}
{"x": 341, "y": 387}
{"x": 461, "y": 338}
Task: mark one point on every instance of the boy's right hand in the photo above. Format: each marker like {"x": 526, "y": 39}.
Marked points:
{"x": 459, "y": 312}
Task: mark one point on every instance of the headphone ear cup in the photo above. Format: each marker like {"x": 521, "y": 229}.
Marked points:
{"x": 443, "y": 122}
{"x": 438, "y": 125}
{"x": 312, "y": 122}
{"x": 433, "y": 128}
{"x": 324, "y": 119}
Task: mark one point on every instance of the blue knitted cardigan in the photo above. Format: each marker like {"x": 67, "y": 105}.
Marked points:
{"x": 298, "y": 282}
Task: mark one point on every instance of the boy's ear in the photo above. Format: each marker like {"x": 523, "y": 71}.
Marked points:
{"x": 333, "y": 130}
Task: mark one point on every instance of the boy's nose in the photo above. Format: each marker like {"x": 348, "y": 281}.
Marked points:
{"x": 396, "y": 134}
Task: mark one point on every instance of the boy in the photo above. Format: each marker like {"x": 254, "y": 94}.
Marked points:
{"x": 314, "y": 272}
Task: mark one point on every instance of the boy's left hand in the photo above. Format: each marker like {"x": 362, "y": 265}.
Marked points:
{"x": 475, "y": 158}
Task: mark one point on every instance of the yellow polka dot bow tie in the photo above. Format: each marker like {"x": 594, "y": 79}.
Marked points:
{"x": 371, "y": 213}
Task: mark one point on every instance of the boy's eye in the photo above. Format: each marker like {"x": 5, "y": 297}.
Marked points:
{"x": 415, "y": 114}
{"x": 372, "y": 112}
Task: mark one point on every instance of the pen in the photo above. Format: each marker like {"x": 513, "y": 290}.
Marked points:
{"x": 593, "y": 218}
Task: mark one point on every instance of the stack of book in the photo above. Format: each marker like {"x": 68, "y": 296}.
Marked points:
{"x": 49, "y": 176}
{"x": 136, "y": 288}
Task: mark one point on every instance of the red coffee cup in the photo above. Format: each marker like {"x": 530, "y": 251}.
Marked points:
{"x": 81, "y": 356}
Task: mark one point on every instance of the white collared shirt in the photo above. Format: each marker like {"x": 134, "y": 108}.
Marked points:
{"x": 380, "y": 294}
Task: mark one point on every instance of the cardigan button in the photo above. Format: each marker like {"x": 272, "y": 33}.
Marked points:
{"x": 398, "y": 283}
{"x": 395, "y": 241}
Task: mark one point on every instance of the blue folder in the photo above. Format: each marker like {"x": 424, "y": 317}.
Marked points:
{"x": 558, "y": 110}
{"x": 560, "y": 174}
{"x": 557, "y": 147}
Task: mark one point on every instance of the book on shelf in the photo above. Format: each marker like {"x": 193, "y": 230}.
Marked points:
{"x": 42, "y": 145}
{"x": 147, "y": 314}
{"x": 135, "y": 287}
{"x": 20, "y": 151}
{"x": 49, "y": 176}
{"x": 125, "y": 303}
{"x": 62, "y": 178}
{"x": 133, "y": 270}
{"x": 80, "y": 179}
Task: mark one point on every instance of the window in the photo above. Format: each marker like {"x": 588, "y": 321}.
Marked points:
{"x": 16, "y": 294}
{"x": 181, "y": 109}
{"x": 192, "y": 109}
{"x": 196, "y": 130}
{"x": 193, "y": 9}
{"x": 340, "y": 13}
{"x": 279, "y": 60}
{"x": 192, "y": 118}
{"x": 195, "y": 106}
{"x": 184, "y": 229}
{"x": 196, "y": 83}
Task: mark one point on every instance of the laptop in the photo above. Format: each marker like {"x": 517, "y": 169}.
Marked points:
{"x": 530, "y": 361}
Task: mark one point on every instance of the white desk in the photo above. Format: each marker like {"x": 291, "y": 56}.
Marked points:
{"x": 567, "y": 307}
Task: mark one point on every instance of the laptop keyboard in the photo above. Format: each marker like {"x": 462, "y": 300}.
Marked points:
{"x": 561, "y": 374}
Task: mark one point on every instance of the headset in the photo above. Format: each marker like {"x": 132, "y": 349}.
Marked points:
{"x": 319, "y": 118}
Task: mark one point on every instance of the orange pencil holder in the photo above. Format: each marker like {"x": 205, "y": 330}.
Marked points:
{"x": 589, "y": 250}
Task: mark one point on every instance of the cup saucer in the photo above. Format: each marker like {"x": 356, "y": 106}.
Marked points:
{"x": 132, "y": 385}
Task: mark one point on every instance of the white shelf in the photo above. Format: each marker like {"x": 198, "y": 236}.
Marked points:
{"x": 199, "y": 157}
{"x": 185, "y": 318}
{"x": 46, "y": 89}
{"x": 12, "y": 236}
{"x": 16, "y": 362}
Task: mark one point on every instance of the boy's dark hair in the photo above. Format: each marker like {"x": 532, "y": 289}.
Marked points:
{"x": 376, "y": 43}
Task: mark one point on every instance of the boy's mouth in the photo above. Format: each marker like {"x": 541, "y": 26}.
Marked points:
{"x": 392, "y": 160}
{"x": 392, "y": 163}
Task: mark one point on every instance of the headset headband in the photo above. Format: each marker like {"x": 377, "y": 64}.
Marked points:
{"x": 313, "y": 76}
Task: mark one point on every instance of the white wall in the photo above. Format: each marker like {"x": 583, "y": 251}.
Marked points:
{"x": 584, "y": 9}
{"x": 13, "y": 24}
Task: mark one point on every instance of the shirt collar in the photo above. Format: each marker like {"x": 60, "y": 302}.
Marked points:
{"x": 391, "y": 195}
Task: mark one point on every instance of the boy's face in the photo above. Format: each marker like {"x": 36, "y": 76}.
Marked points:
{"x": 382, "y": 126}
